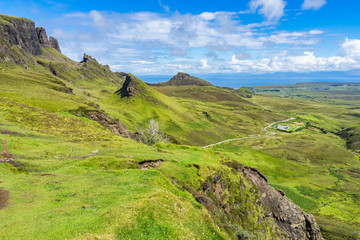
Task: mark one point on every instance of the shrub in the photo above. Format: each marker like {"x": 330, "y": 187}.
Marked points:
{"x": 152, "y": 134}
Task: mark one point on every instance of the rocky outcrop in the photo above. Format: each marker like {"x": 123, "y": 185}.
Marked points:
{"x": 129, "y": 87}
{"x": 233, "y": 202}
{"x": 105, "y": 120}
{"x": 44, "y": 41}
{"x": 293, "y": 221}
{"x": 181, "y": 79}
{"x": 21, "y": 32}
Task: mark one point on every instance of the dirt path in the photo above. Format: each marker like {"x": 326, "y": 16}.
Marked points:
{"x": 252, "y": 136}
{"x": 4, "y": 197}
{"x": 7, "y": 156}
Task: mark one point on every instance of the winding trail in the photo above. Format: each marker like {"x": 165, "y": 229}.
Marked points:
{"x": 252, "y": 136}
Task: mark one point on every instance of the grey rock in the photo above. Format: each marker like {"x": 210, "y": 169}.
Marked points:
{"x": 44, "y": 41}
{"x": 129, "y": 87}
{"x": 21, "y": 33}
{"x": 293, "y": 221}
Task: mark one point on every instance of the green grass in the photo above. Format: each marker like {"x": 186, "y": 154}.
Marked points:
{"x": 312, "y": 166}
{"x": 62, "y": 190}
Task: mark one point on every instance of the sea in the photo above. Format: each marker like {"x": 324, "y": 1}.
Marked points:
{"x": 240, "y": 80}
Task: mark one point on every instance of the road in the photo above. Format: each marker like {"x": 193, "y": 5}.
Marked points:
{"x": 252, "y": 136}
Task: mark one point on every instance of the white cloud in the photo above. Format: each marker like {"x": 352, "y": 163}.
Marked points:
{"x": 165, "y": 7}
{"x": 153, "y": 43}
{"x": 143, "y": 62}
{"x": 273, "y": 10}
{"x": 307, "y": 62}
{"x": 295, "y": 38}
{"x": 313, "y": 4}
{"x": 351, "y": 47}
{"x": 204, "y": 63}
{"x": 208, "y": 15}
{"x": 98, "y": 19}
{"x": 316, "y": 32}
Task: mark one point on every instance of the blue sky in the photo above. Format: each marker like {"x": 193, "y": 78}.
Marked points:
{"x": 153, "y": 37}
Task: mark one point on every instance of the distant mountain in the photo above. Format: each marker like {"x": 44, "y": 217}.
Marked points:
{"x": 181, "y": 79}
{"x": 244, "y": 92}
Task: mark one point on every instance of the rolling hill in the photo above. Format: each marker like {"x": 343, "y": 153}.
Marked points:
{"x": 72, "y": 165}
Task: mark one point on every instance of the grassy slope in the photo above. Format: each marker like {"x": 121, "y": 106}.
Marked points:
{"x": 60, "y": 191}
{"x": 54, "y": 141}
{"x": 58, "y": 194}
{"x": 186, "y": 121}
{"x": 312, "y": 166}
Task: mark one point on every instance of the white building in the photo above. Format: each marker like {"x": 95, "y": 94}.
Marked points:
{"x": 282, "y": 127}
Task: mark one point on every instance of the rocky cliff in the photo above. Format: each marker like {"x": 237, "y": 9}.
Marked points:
{"x": 44, "y": 41}
{"x": 293, "y": 221}
{"x": 21, "y": 32}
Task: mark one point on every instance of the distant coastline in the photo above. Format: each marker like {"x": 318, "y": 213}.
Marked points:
{"x": 239, "y": 80}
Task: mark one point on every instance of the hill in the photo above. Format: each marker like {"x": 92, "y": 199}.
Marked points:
{"x": 71, "y": 165}
{"x": 244, "y": 92}
{"x": 181, "y": 79}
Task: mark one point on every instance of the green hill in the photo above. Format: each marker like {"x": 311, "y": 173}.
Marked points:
{"x": 181, "y": 79}
{"x": 244, "y": 92}
{"x": 72, "y": 166}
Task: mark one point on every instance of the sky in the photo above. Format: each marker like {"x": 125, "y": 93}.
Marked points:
{"x": 163, "y": 37}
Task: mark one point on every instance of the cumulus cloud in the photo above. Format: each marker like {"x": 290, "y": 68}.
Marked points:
{"x": 306, "y": 62}
{"x": 313, "y": 4}
{"x": 273, "y": 10}
{"x": 351, "y": 47}
{"x": 204, "y": 63}
{"x": 147, "y": 42}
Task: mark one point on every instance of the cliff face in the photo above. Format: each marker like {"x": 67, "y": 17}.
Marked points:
{"x": 22, "y": 33}
{"x": 44, "y": 41}
{"x": 293, "y": 221}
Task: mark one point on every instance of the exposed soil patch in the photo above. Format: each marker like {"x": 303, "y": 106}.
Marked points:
{"x": 150, "y": 164}
{"x": 92, "y": 154}
{"x": 7, "y": 156}
{"x": 15, "y": 164}
{"x": 4, "y": 197}
{"x": 5, "y": 131}
{"x": 48, "y": 175}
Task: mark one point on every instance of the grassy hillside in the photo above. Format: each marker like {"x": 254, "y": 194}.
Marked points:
{"x": 65, "y": 176}
{"x": 312, "y": 164}
{"x": 69, "y": 177}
